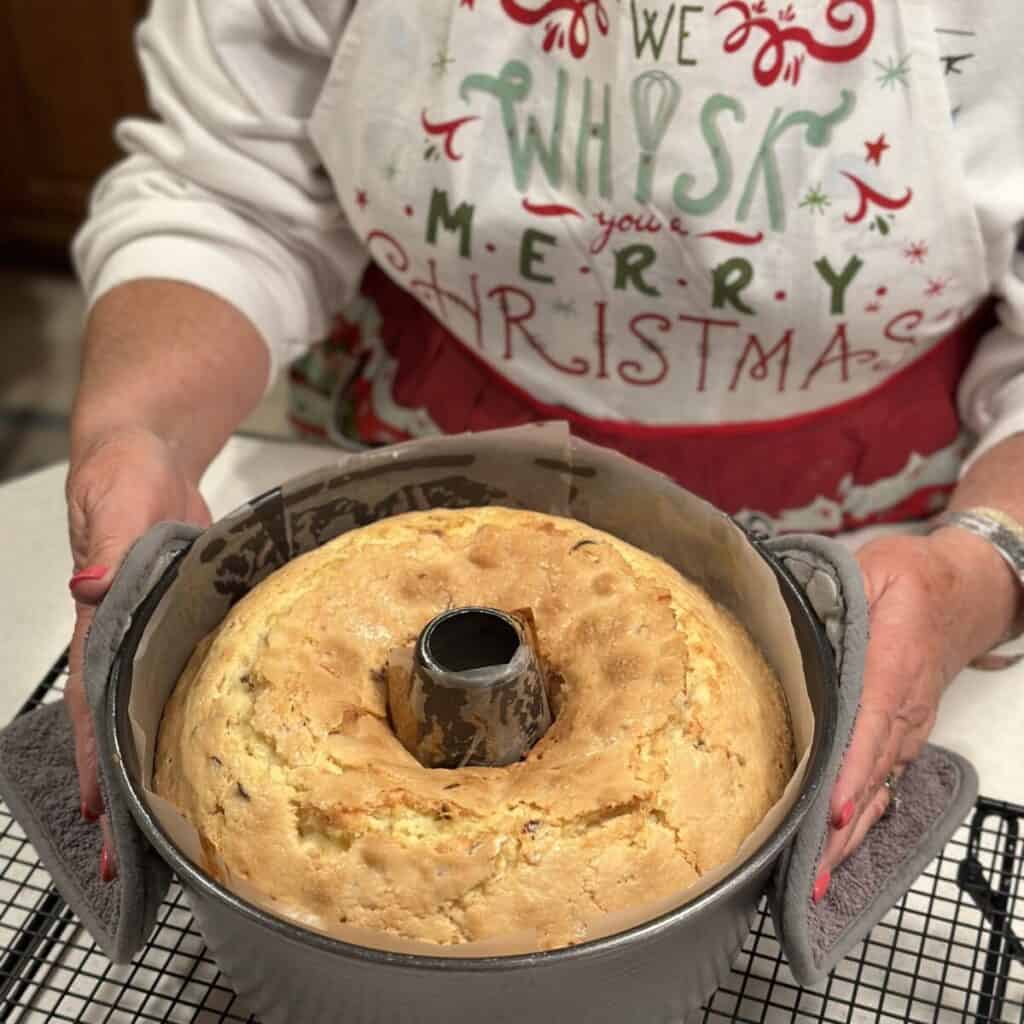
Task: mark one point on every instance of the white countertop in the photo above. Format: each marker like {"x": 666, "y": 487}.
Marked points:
{"x": 982, "y": 716}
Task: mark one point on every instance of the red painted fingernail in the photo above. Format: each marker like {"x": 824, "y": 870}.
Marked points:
{"x": 106, "y": 870}
{"x": 90, "y": 575}
{"x": 821, "y": 886}
{"x": 845, "y": 816}
{"x": 89, "y": 814}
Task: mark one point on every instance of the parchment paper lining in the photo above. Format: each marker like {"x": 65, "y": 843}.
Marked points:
{"x": 537, "y": 467}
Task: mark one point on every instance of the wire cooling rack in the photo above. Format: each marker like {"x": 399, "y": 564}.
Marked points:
{"x": 950, "y": 952}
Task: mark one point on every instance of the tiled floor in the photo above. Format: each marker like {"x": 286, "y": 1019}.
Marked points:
{"x": 41, "y": 317}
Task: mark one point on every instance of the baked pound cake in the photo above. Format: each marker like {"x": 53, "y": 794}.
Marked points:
{"x": 671, "y": 737}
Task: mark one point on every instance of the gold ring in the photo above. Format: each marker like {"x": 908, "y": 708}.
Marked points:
{"x": 894, "y": 798}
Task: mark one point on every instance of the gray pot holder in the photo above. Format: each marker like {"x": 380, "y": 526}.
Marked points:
{"x": 936, "y": 793}
{"x": 37, "y": 771}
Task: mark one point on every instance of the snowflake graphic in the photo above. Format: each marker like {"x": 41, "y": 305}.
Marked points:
{"x": 816, "y": 200}
{"x": 894, "y": 72}
{"x": 937, "y": 286}
{"x": 916, "y": 252}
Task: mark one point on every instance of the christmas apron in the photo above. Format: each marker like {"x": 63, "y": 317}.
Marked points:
{"x": 731, "y": 240}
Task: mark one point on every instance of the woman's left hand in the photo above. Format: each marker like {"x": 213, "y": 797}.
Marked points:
{"x": 936, "y": 603}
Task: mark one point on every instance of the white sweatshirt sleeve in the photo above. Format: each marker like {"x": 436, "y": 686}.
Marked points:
{"x": 989, "y": 106}
{"x": 224, "y": 190}
{"x": 992, "y": 390}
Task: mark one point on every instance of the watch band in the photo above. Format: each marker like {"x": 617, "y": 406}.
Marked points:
{"x": 1006, "y": 535}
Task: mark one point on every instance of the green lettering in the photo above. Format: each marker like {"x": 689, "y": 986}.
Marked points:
{"x": 461, "y": 220}
{"x": 645, "y": 36}
{"x": 710, "y": 202}
{"x": 839, "y": 283}
{"x": 510, "y": 88}
{"x": 818, "y": 134}
{"x": 590, "y": 131}
{"x": 730, "y": 279}
{"x": 630, "y": 264}
{"x": 684, "y": 61}
{"x": 529, "y": 255}
{"x": 655, "y": 98}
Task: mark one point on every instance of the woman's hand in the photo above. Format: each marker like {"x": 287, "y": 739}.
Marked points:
{"x": 118, "y": 487}
{"x": 936, "y": 603}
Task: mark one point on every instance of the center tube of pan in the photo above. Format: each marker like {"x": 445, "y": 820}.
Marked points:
{"x": 477, "y": 693}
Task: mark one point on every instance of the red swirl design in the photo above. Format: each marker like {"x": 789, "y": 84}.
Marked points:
{"x": 734, "y": 237}
{"x": 448, "y": 130}
{"x": 869, "y": 196}
{"x": 395, "y": 254}
{"x": 771, "y": 60}
{"x": 557, "y": 33}
{"x": 550, "y": 209}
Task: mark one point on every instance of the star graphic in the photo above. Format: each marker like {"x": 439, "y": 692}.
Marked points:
{"x": 894, "y": 72}
{"x": 362, "y": 200}
{"x": 876, "y": 150}
{"x": 441, "y": 62}
{"x": 916, "y": 252}
{"x": 936, "y": 287}
{"x": 816, "y": 200}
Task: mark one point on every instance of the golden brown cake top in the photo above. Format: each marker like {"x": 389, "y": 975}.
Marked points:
{"x": 670, "y": 744}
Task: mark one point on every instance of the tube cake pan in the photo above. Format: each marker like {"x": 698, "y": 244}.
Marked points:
{"x": 657, "y": 971}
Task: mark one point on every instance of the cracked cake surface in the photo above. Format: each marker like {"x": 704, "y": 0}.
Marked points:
{"x": 670, "y": 743}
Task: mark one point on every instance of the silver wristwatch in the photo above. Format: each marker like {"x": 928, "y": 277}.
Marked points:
{"x": 1006, "y": 535}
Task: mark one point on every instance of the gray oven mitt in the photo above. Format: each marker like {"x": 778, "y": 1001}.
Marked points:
{"x": 935, "y": 794}
{"x": 38, "y": 781}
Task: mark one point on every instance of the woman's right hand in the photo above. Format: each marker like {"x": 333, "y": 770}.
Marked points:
{"x": 117, "y": 488}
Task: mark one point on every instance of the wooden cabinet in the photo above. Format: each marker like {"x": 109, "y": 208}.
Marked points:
{"x": 67, "y": 73}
